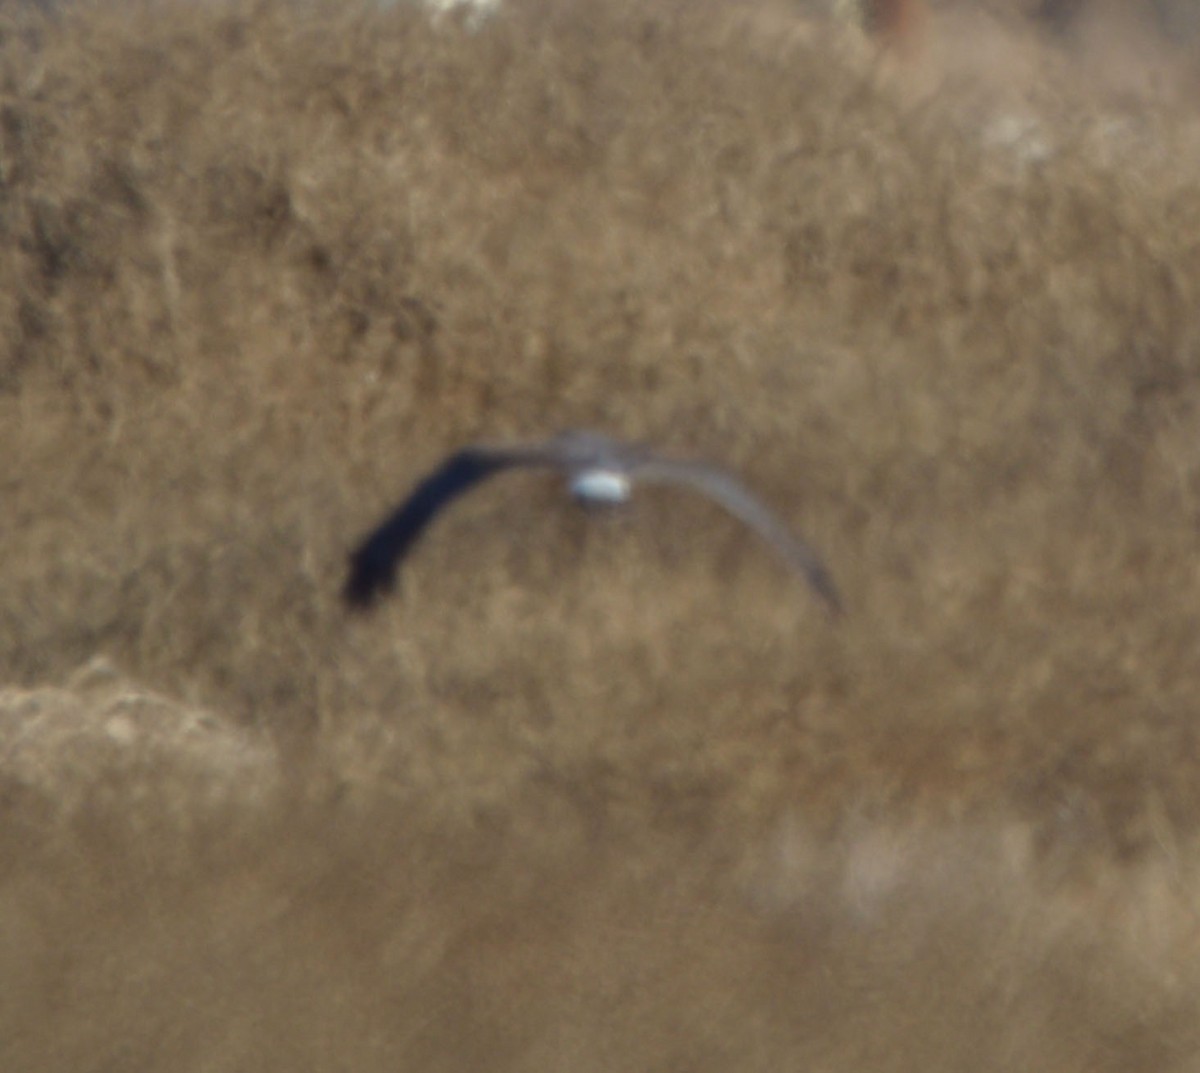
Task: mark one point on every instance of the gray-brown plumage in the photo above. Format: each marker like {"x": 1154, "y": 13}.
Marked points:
{"x": 599, "y": 470}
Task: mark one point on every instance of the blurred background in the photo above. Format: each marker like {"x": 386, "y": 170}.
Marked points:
{"x": 599, "y": 793}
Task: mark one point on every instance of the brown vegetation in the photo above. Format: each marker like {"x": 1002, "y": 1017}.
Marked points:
{"x": 587, "y": 796}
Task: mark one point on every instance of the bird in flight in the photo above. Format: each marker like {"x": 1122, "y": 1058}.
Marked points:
{"x": 599, "y": 471}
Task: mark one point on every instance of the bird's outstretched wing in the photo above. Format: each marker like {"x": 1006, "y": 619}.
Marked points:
{"x": 374, "y": 563}
{"x": 728, "y": 492}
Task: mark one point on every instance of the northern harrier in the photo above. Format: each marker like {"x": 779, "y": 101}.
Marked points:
{"x": 599, "y": 470}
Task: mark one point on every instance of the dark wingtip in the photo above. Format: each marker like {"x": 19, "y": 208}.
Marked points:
{"x": 824, "y": 587}
{"x": 365, "y": 585}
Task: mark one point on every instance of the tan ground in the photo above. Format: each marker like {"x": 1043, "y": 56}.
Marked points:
{"x": 593, "y": 795}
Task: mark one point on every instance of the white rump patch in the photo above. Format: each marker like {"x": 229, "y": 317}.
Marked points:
{"x": 601, "y": 486}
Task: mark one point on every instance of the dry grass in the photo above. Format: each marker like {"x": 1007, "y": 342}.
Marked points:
{"x": 587, "y": 796}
